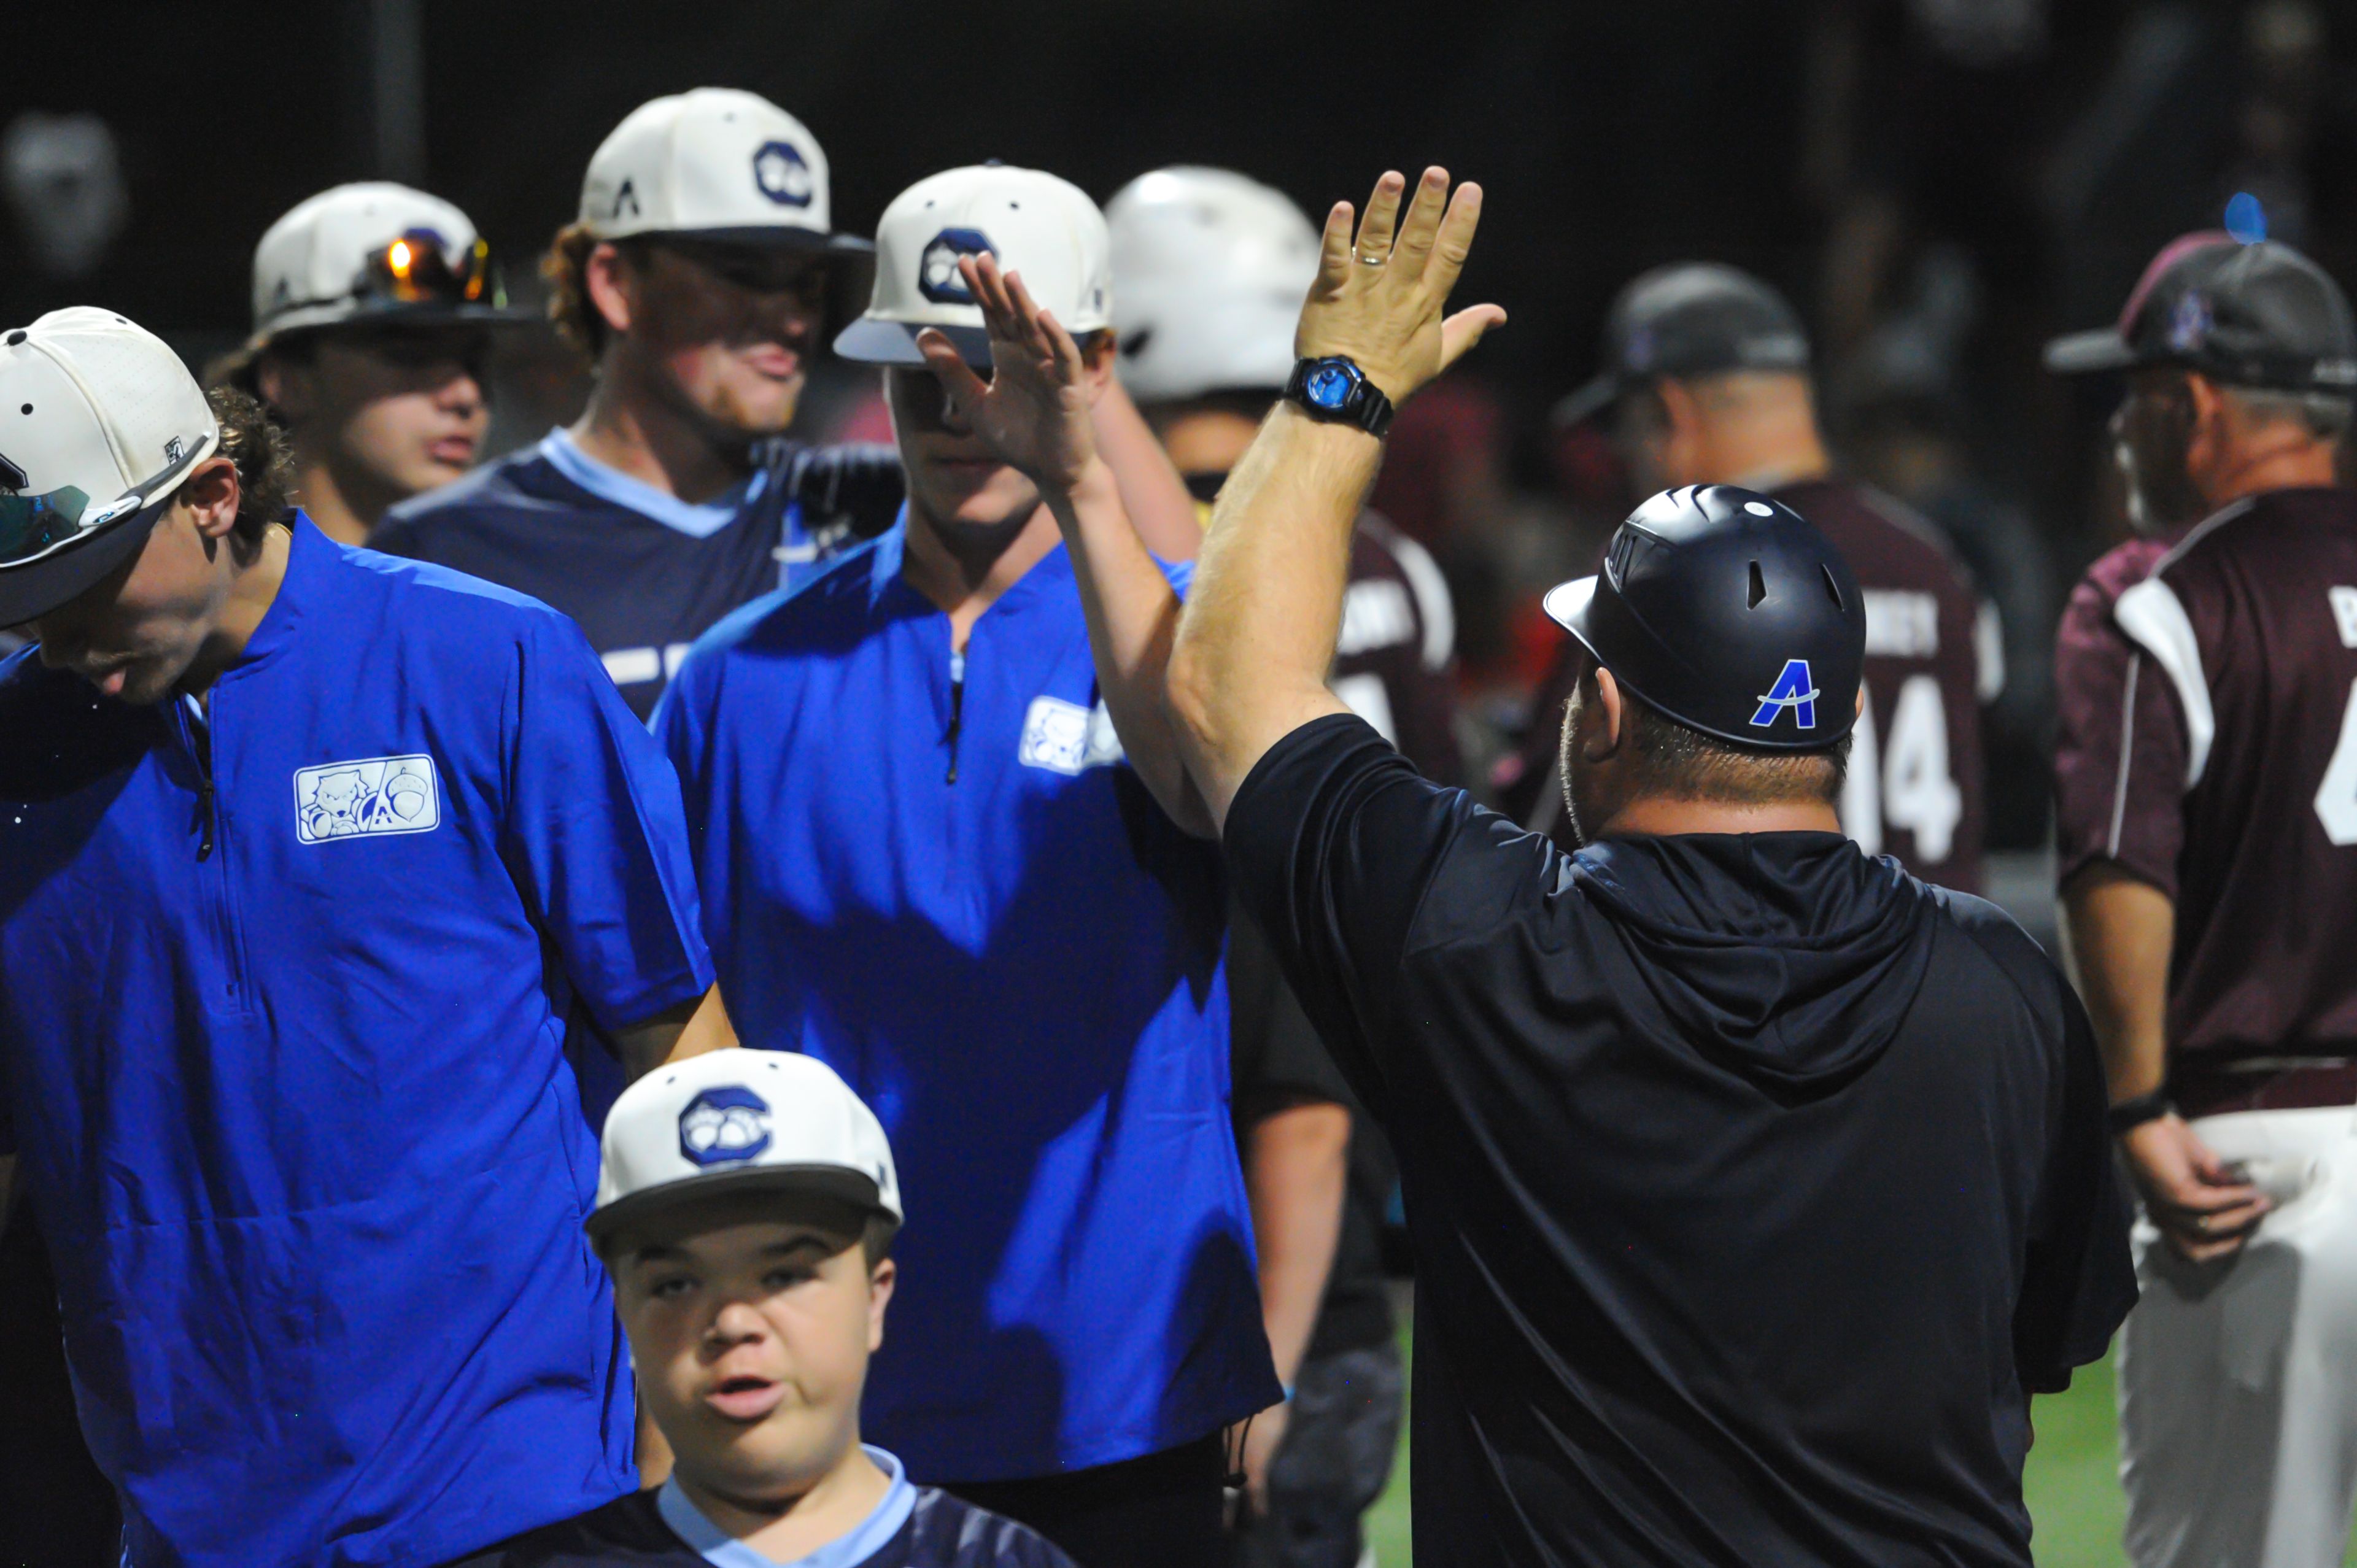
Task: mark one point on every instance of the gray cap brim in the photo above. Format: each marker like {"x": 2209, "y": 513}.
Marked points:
{"x": 868, "y": 341}
{"x": 2087, "y": 353}
{"x": 1579, "y": 407}
{"x": 35, "y": 589}
{"x": 853, "y": 1189}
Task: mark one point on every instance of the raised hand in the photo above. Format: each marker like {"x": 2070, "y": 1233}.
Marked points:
{"x": 1379, "y": 294}
{"x": 1033, "y": 413}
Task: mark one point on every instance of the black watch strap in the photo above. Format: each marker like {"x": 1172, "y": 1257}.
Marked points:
{"x": 1368, "y": 408}
{"x": 2130, "y": 1114}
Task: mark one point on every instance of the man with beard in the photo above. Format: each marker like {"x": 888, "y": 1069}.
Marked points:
{"x": 1754, "y": 1185}
{"x": 2206, "y": 819}
{"x": 697, "y": 279}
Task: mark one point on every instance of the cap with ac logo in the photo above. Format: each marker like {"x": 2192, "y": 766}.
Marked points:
{"x": 1731, "y": 614}
{"x": 738, "y": 1121}
{"x": 716, "y": 164}
{"x": 1045, "y": 228}
{"x": 98, "y": 422}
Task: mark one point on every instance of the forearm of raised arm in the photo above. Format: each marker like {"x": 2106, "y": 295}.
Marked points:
{"x": 1159, "y": 507}
{"x": 688, "y": 1029}
{"x": 1249, "y": 666}
{"x": 1133, "y": 615}
{"x": 2121, "y": 932}
{"x": 1296, "y": 1166}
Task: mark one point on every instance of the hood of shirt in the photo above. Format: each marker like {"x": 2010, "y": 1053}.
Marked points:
{"x": 1789, "y": 957}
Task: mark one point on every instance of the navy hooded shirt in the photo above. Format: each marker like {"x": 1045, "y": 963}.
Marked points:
{"x": 1754, "y": 1185}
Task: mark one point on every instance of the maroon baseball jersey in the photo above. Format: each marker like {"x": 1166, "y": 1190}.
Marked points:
{"x": 1915, "y": 782}
{"x": 1392, "y": 657}
{"x": 2208, "y": 746}
{"x": 1916, "y": 791}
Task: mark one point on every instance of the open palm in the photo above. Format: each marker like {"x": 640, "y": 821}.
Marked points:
{"x": 1033, "y": 413}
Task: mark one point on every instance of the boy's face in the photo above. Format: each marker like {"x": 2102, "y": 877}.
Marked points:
{"x": 751, "y": 1326}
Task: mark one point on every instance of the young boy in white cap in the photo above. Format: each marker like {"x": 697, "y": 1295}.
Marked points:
{"x": 747, "y": 1208}
{"x": 374, "y": 307}
{"x": 944, "y": 844}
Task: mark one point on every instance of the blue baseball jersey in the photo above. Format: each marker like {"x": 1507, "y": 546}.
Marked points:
{"x": 644, "y": 573}
{"x": 937, "y": 874}
{"x": 284, "y": 997}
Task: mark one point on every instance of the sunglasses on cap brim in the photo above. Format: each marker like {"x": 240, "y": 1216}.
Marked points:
{"x": 412, "y": 270}
{"x": 33, "y": 526}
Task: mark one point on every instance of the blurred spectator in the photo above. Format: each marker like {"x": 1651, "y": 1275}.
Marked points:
{"x": 1900, "y": 410}
{"x": 938, "y": 812}
{"x": 1209, "y": 272}
{"x": 1706, "y": 383}
{"x": 697, "y": 277}
{"x": 374, "y": 307}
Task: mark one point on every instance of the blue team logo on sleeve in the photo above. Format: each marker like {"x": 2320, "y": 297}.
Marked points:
{"x": 1792, "y": 690}
{"x": 722, "y": 1125}
{"x": 783, "y": 175}
{"x": 938, "y": 278}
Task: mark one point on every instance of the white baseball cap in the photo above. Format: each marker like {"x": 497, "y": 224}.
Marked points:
{"x": 1213, "y": 269}
{"x": 1036, "y": 224}
{"x": 98, "y": 422}
{"x": 713, "y": 164}
{"x": 741, "y": 1121}
{"x": 377, "y": 250}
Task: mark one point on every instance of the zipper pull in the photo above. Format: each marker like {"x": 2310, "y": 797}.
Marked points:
{"x": 205, "y": 814}
{"x": 957, "y": 708}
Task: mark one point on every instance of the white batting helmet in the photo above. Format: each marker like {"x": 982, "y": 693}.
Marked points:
{"x": 1209, "y": 270}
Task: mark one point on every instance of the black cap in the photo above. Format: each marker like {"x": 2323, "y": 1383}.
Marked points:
{"x": 1694, "y": 318}
{"x": 1731, "y": 614}
{"x": 2256, "y": 315}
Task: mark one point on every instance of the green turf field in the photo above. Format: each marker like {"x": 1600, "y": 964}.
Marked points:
{"x": 2073, "y": 1481}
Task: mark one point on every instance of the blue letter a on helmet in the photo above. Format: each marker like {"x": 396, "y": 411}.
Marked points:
{"x": 1792, "y": 690}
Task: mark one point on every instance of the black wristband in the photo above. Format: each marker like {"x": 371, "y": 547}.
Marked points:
{"x": 2130, "y": 1114}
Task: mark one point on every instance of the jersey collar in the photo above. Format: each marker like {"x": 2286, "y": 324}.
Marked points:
{"x": 720, "y": 1548}
{"x": 609, "y": 484}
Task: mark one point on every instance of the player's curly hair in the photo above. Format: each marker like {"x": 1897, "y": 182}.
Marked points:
{"x": 566, "y": 269}
{"x": 265, "y": 464}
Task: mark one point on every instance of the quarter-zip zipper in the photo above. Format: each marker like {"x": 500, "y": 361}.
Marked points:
{"x": 200, "y": 754}
{"x": 202, "y": 751}
{"x": 957, "y": 708}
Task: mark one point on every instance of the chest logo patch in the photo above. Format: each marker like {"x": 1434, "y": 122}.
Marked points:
{"x": 1064, "y": 737}
{"x": 367, "y": 795}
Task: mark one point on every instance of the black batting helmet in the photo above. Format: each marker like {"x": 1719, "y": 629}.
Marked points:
{"x": 1731, "y": 614}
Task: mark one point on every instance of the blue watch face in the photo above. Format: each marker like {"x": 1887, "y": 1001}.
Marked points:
{"x": 1329, "y": 386}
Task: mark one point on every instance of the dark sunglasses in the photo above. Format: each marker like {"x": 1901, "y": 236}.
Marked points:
{"x": 34, "y": 525}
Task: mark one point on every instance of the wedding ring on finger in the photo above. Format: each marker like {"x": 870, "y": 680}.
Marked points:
{"x": 1372, "y": 260}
